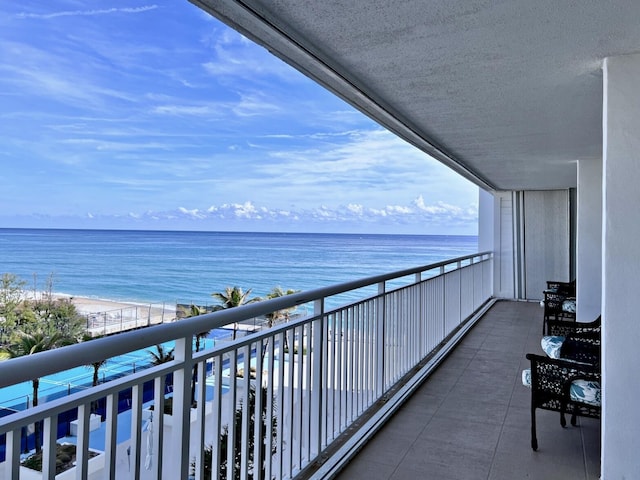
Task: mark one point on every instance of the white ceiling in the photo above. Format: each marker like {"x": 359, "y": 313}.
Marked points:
{"x": 508, "y": 93}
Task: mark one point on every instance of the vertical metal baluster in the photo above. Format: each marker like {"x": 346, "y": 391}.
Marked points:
{"x": 110, "y": 439}
{"x": 301, "y": 364}
{"x": 280, "y": 406}
{"x": 259, "y": 428}
{"x": 82, "y": 444}
{"x": 136, "y": 429}
{"x": 290, "y": 397}
{"x": 348, "y": 332}
{"x": 49, "y": 437}
{"x": 158, "y": 425}
{"x": 246, "y": 412}
{"x": 271, "y": 418}
{"x": 201, "y": 414}
{"x": 216, "y": 421}
{"x": 336, "y": 336}
{"x": 310, "y": 333}
{"x": 12, "y": 453}
{"x": 231, "y": 430}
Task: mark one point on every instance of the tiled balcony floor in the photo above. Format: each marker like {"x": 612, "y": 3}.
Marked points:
{"x": 470, "y": 419}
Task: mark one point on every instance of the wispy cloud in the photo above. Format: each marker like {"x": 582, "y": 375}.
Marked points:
{"x": 234, "y": 56}
{"x": 77, "y": 13}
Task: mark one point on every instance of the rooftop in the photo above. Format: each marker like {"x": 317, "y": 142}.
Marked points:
{"x": 471, "y": 418}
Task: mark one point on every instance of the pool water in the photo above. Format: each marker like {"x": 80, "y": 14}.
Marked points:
{"x": 18, "y": 397}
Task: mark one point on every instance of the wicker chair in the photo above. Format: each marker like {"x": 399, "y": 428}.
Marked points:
{"x": 586, "y": 330}
{"x": 554, "y": 383}
{"x": 559, "y": 303}
{"x": 568, "y": 289}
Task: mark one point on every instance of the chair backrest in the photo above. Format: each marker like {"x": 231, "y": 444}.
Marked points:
{"x": 585, "y": 349}
{"x": 588, "y": 330}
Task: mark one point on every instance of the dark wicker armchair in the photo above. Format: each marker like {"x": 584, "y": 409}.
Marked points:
{"x": 587, "y": 330}
{"x": 554, "y": 383}
{"x": 568, "y": 289}
{"x": 559, "y": 303}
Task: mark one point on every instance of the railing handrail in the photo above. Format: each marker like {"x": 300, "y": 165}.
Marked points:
{"x": 18, "y": 370}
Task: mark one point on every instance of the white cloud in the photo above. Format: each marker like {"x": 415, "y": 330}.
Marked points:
{"x": 254, "y": 104}
{"x": 205, "y": 110}
{"x": 248, "y": 210}
{"x": 234, "y": 56}
{"x": 76, "y": 13}
{"x": 195, "y": 213}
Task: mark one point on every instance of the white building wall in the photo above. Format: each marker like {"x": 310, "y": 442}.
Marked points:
{"x": 546, "y": 234}
{"x": 621, "y": 273}
{"x": 589, "y": 241}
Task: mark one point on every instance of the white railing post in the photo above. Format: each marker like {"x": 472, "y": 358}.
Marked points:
{"x": 182, "y": 407}
{"x": 158, "y": 425}
{"x": 318, "y": 386}
{"x": 380, "y": 341}
{"x": 49, "y": 434}
{"x": 110, "y": 439}
{"x": 82, "y": 444}
{"x": 12, "y": 454}
{"x": 136, "y": 429}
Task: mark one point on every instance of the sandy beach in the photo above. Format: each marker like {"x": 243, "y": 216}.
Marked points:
{"x": 86, "y": 305}
{"x": 108, "y": 316}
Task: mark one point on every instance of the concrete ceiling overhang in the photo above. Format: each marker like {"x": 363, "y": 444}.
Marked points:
{"x": 507, "y": 93}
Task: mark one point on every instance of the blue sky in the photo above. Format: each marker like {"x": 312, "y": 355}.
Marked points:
{"x": 131, "y": 114}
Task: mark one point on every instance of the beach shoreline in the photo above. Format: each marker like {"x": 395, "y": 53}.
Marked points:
{"x": 86, "y": 305}
{"x": 106, "y": 317}
{"x": 90, "y": 305}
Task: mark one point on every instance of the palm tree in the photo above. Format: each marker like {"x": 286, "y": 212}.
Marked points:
{"x": 95, "y": 365}
{"x": 234, "y": 297}
{"x": 274, "y": 317}
{"x": 194, "y": 311}
{"x": 278, "y": 315}
{"x": 161, "y": 355}
{"x": 30, "y": 344}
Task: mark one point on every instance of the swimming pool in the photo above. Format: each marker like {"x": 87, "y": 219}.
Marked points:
{"x": 18, "y": 397}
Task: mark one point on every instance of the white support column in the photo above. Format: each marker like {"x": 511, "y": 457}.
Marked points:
{"x": 496, "y": 233}
{"x": 589, "y": 241}
{"x": 487, "y": 227}
{"x": 486, "y": 221}
{"x": 621, "y": 251}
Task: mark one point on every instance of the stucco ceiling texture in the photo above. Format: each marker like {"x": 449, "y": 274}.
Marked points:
{"x": 510, "y": 91}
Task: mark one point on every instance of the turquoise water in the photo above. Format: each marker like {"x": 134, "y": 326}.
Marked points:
{"x": 16, "y": 397}
{"x": 186, "y": 267}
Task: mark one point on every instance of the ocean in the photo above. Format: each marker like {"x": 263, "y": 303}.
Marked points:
{"x": 187, "y": 267}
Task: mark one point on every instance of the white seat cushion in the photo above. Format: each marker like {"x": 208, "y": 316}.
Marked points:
{"x": 551, "y": 345}
{"x": 586, "y": 391}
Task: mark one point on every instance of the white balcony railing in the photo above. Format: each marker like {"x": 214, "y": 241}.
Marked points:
{"x": 311, "y": 379}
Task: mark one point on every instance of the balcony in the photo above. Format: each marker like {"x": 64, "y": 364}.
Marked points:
{"x": 471, "y": 418}
{"x": 326, "y": 381}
